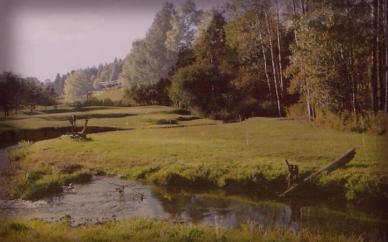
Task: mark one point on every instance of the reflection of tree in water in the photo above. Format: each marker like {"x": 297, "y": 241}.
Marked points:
{"x": 199, "y": 207}
{"x": 172, "y": 203}
{"x": 216, "y": 210}
{"x": 211, "y": 209}
{"x": 350, "y": 222}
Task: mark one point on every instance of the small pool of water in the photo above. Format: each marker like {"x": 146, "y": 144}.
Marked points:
{"x": 107, "y": 198}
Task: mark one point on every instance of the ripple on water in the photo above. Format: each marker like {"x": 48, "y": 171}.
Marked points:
{"x": 107, "y": 198}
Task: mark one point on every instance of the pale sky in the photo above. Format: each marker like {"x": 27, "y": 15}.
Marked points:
{"x": 43, "y": 37}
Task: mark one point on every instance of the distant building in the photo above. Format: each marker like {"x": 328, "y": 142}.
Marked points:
{"x": 110, "y": 84}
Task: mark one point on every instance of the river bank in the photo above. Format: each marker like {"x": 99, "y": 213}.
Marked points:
{"x": 100, "y": 202}
{"x": 224, "y": 156}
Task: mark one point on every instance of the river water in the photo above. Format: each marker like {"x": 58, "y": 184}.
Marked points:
{"x": 107, "y": 198}
{"x": 110, "y": 198}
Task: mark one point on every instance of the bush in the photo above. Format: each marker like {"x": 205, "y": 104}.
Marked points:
{"x": 41, "y": 188}
{"x": 93, "y": 101}
{"x": 107, "y": 102}
{"x": 377, "y": 124}
{"x": 224, "y": 115}
{"x": 297, "y": 111}
{"x": 249, "y": 107}
{"x": 77, "y": 105}
{"x": 200, "y": 87}
{"x": 152, "y": 94}
{"x": 348, "y": 121}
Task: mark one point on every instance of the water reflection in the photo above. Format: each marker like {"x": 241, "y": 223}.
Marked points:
{"x": 114, "y": 199}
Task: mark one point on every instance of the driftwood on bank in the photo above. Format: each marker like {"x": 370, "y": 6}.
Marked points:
{"x": 339, "y": 162}
{"x": 79, "y": 135}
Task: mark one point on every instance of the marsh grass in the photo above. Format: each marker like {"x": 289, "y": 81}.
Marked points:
{"x": 139, "y": 230}
{"x": 38, "y": 184}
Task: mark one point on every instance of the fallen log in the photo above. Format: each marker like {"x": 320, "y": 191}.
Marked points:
{"x": 82, "y": 134}
{"x": 339, "y": 162}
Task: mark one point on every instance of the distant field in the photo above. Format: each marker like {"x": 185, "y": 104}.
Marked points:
{"x": 115, "y": 117}
{"x": 113, "y": 94}
{"x": 249, "y": 153}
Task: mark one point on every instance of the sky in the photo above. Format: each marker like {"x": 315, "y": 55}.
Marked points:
{"x": 41, "y": 38}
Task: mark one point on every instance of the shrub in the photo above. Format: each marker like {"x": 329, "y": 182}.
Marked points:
{"x": 152, "y": 94}
{"x": 107, "y": 102}
{"x": 41, "y": 188}
{"x": 200, "y": 87}
{"x": 377, "y": 124}
{"x": 93, "y": 101}
{"x": 296, "y": 111}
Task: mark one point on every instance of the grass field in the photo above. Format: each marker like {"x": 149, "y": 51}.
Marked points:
{"x": 115, "y": 117}
{"x": 148, "y": 230}
{"x": 245, "y": 154}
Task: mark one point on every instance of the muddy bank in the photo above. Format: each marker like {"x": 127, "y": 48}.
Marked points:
{"x": 10, "y": 137}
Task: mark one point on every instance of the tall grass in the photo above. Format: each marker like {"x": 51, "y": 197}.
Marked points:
{"x": 147, "y": 230}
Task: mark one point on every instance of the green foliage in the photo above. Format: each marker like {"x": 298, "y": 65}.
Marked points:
{"x": 47, "y": 184}
{"x": 93, "y": 101}
{"x": 152, "y": 94}
{"x": 18, "y": 227}
{"x": 16, "y": 92}
{"x": 103, "y": 76}
{"x": 35, "y": 175}
{"x": 150, "y": 59}
{"x": 40, "y": 188}
{"x": 297, "y": 111}
{"x": 329, "y": 64}
{"x": 77, "y": 87}
{"x": 204, "y": 84}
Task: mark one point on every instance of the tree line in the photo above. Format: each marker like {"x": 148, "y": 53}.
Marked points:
{"x": 259, "y": 57}
{"x": 305, "y": 58}
{"x": 77, "y": 84}
{"x": 17, "y": 92}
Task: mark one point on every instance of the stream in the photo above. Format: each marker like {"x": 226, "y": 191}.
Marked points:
{"x": 111, "y": 198}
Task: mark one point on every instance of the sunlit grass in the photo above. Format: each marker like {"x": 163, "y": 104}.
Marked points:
{"x": 115, "y": 117}
{"x": 249, "y": 153}
{"x": 150, "y": 230}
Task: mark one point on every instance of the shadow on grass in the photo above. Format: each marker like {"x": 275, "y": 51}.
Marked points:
{"x": 181, "y": 118}
{"x": 10, "y": 137}
{"x": 30, "y": 113}
{"x": 178, "y": 111}
{"x": 70, "y": 110}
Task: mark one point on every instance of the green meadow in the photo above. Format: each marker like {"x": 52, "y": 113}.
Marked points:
{"x": 166, "y": 147}
{"x": 114, "y": 117}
